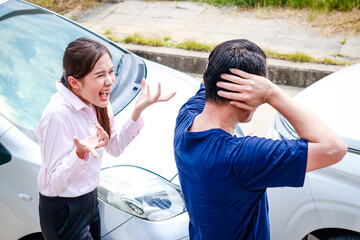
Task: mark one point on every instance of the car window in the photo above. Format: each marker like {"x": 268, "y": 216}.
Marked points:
{"x": 32, "y": 44}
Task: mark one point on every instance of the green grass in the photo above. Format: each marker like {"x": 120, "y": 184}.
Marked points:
{"x": 166, "y": 42}
{"x": 294, "y": 57}
{"x": 327, "y": 5}
{"x": 64, "y": 6}
{"x": 109, "y": 34}
{"x": 139, "y": 39}
{"x": 301, "y": 57}
{"x": 196, "y": 46}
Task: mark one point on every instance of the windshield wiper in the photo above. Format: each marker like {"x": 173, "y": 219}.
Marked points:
{"x": 121, "y": 62}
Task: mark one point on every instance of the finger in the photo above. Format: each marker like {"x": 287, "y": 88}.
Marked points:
{"x": 98, "y": 126}
{"x": 233, "y": 78}
{"x": 231, "y": 86}
{"x": 166, "y": 97}
{"x": 94, "y": 153}
{"x": 241, "y": 105}
{"x": 106, "y": 138}
{"x": 102, "y": 136}
{"x": 76, "y": 141}
{"x": 143, "y": 84}
{"x": 148, "y": 92}
{"x": 232, "y": 96}
{"x": 101, "y": 132}
{"x": 100, "y": 144}
{"x": 103, "y": 141}
{"x": 241, "y": 73}
{"x": 99, "y": 129}
{"x": 157, "y": 95}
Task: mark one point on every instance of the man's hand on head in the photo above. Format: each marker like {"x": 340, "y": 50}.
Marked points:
{"x": 246, "y": 91}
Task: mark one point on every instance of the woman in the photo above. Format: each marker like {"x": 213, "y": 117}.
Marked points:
{"x": 75, "y": 128}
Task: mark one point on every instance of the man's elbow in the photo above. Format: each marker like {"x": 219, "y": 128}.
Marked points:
{"x": 338, "y": 151}
{"x": 326, "y": 154}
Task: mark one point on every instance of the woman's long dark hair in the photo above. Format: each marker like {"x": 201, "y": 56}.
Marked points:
{"x": 79, "y": 59}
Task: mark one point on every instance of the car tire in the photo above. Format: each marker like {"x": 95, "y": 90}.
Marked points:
{"x": 344, "y": 237}
{"x": 34, "y": 236}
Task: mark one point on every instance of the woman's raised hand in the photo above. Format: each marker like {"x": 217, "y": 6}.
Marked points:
{"x": 146, "y": 99}
{"x": 96, "y": 140}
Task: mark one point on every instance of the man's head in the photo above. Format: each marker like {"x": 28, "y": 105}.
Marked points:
{"x": 239, "y": 53}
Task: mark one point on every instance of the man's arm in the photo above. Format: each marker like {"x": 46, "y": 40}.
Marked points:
{"x": 324, "y": 146}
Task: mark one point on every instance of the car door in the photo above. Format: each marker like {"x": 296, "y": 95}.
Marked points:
{"x": 336, "y": 191}
{"x": 19, "y": 166}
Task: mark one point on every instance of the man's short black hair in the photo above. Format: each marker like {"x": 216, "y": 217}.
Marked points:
{"x": 238, "y": 53}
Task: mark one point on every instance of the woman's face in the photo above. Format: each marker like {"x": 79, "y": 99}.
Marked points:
{"x": 96, "y": 85}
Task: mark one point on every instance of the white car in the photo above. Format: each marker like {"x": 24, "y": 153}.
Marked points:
{"x": 139, "y": 192}
{"x": 328, "y": 206}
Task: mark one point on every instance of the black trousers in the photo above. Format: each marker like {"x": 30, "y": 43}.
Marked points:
{"x": 70, "y": 218}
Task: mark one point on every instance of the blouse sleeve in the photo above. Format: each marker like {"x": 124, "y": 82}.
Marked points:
{"x": 121, "y": 136}
{"x": 59, "y": 155}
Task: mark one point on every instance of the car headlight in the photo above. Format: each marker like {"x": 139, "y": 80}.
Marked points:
{"x": 282, "y": 129}
{"x": 140, "y": 192}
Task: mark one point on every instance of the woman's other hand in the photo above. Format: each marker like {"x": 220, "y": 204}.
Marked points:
{"x": 96, "y": 140}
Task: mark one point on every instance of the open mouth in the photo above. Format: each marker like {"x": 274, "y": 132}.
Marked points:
{"x": 104, "y": 95}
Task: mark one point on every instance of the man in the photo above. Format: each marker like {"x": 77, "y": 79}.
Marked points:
{"x": 223, "y": 177}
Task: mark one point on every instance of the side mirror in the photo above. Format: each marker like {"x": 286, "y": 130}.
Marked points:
{"x": 5, "y": 155}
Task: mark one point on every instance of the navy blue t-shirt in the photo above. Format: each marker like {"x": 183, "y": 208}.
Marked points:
{"x": 224, "y": 178}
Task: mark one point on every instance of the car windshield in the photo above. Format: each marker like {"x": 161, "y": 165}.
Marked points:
{"x": 32, "y": 44}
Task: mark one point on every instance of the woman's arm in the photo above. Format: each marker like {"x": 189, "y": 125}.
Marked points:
{"x": 121, "y": 136}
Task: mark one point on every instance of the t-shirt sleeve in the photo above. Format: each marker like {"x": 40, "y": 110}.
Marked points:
{"x": 194, "y": 105}
{"x": 259, "y": 163}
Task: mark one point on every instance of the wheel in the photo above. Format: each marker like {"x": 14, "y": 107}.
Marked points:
{"x": 344, "y": 237}
{"x": 34, "y": 236}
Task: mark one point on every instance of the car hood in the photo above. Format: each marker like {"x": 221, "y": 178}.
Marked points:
{"x": 334, "y": 100}
{"x": 152, "y": 149}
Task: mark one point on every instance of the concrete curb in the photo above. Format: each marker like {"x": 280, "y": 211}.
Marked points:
{"x": 280, "y": 72}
